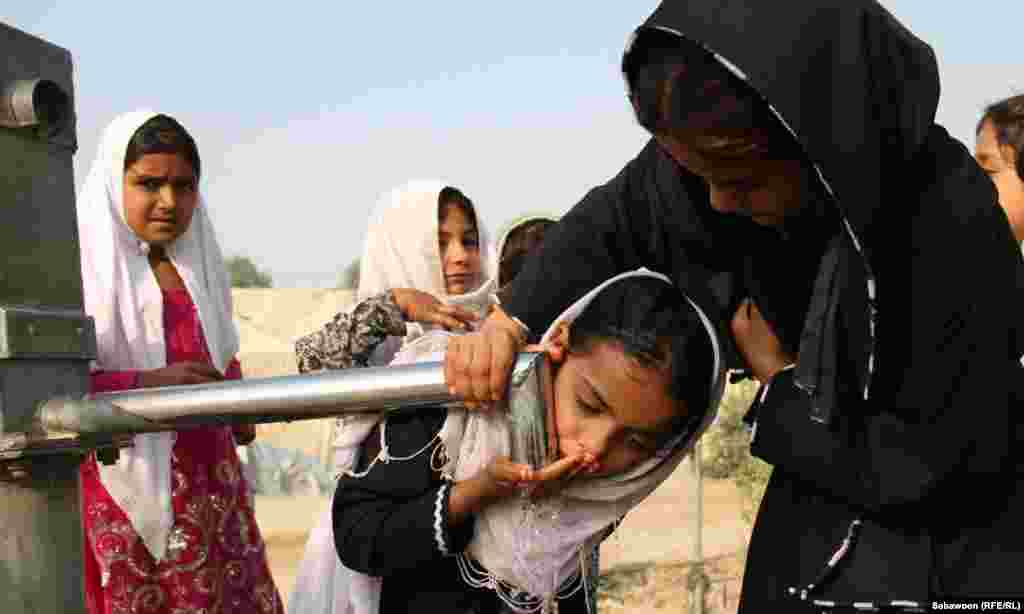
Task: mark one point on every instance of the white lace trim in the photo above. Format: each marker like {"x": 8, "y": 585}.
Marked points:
{"x": 515, "y": 598}
{"x": 440, "y": 462}
{"x": 385, "y": 456}
{"x": 442, "y": 545}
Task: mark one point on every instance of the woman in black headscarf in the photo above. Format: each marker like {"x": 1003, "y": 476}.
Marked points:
{"x": 873, "y": 285}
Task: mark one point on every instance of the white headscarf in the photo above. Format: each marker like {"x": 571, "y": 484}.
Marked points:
{"x": 122, "y": 295}
{"x": 536, "y": 548}
{"x": 401, "y": 251}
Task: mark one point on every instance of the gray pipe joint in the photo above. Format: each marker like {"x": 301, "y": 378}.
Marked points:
{"x": 33, "y": 102}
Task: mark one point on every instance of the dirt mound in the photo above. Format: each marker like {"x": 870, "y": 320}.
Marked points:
{"x": 282, "y": 315}
{"x": 269, "y": 321}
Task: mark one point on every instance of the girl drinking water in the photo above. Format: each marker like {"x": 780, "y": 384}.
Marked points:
{"x": 430, "y": 519}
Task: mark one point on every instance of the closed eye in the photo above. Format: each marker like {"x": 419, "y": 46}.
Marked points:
{"x": 588, "y": 408}
{"x": 643, "y": 443}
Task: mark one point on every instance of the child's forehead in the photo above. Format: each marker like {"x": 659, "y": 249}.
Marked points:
{"x": 625, "y": 382}
{"x": 160, "y": 163}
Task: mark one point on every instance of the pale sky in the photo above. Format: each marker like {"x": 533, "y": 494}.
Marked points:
{"x": 305, "y": 112}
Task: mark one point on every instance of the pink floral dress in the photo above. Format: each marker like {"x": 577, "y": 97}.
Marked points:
{"x": 216, "y": 559}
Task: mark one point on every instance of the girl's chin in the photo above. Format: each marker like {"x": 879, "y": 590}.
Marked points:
{"x": 461, "y": 285}
{"x": 159, "y": 238}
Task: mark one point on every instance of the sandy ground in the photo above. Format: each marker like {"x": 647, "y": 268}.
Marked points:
{"x": 643, "y": 562}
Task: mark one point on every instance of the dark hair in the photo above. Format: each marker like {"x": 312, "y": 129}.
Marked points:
{"x": 677, "y": 86}
{"x": 455, "y": 197}
{"x": 1007, "y": 117}
{"x": 658, "y": 327}
{"x": 520, "y": 243}
{"x": 162, "y": 134}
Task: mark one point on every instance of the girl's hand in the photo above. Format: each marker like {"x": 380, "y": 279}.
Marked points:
{"x": 244, "y": 433}
{"x": 502, "y": 478}
{"x": 418, "y": 306}
{"x": 477, "y": 365}
{"x": 758, "y": 343}
{"x": 180, "y": 373}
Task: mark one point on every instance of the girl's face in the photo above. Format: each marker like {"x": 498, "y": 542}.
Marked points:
{"x": 459, "y": 244}
{"x": 160, "y": 196}
{"x": 609, "y": 405}
{"x": 999, "y": 163}
{"x": 742, "y": 181}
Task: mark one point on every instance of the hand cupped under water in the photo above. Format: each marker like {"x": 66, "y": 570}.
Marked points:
{"x": 503, "y": 477}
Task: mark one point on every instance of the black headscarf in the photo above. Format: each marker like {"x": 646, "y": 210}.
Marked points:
{"x": 856, "y": 88}
{"x": 859, "y": 93}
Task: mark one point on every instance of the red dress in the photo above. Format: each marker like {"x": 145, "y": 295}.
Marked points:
{"x": 216, "y": 559}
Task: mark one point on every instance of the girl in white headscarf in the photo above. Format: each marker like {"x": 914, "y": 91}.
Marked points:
{"x": 428, "y": 520}
{"x": 169, "y": 527}
{"x": 426, "y": 264}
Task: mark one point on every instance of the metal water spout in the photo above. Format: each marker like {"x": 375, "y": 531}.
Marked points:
{"x": 301, "y": 397}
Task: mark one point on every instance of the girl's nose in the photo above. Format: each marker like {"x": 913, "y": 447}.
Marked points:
{"x": 168, "y": 197}
{"x": 456, "y": 252}
{"x": 723, "y": 200}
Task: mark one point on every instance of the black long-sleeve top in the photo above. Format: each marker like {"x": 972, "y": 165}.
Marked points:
{"x": 393, "y": 523}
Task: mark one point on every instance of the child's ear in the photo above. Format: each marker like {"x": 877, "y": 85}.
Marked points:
{"x": 558, "y": 345}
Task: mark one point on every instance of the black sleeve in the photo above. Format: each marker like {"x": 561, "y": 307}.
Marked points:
{"x": 576, "y": 603}
{"x": 940, "y": 420}
{"x": 605, "y": 234}
{"x": 394, "y": 518}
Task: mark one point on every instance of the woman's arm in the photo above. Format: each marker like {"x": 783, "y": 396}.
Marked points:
{"x": 941, "y": 419}
{"x": 642, "y": 217}
{"x": 349, "y": 339}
